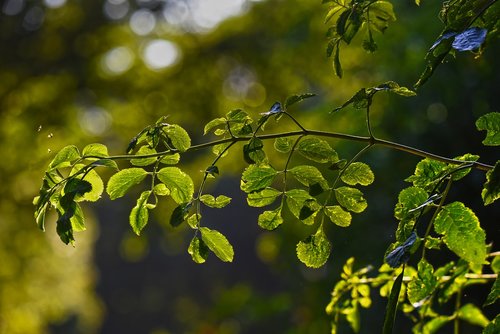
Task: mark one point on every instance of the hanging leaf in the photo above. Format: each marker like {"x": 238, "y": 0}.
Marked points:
{"x": 462, "y": 233}
{"x": 435, "y": 324}
{"x": 96, "y": 184}
{"x": 301, "y": 203}
{"x": 491, "y": 124}
{"x": 422, "y": 286}
{"x": 219, "y": 202}
{"x": 180, "y": 214}
{"x": 309, "y": 176}
{"x": 351, "y": 198}
{"x": 317, "y": 150}
{"x": 358, "y": 173}
{"x": 121, "y": 182}
{"x": 493, "y": 327}
{"x": 179, "y": 183}
{"x": 392, "y": 304}
{"x": 380, "y": 14}
{"x": 253, "y": 151}
{"x": 213, "y": 124}
{"x": 494, "y": 293}
{"x": 283, "y": 144}
{"x": 314, "y": 250}
{"x": 427, "y": 173}
{"x": 198, "y": 250}
{"x": 473, "y": 315}
{"x": 270, "y": 220}
{"x": 338, "y": 216}
{"x": 139, "y": 215}
{"x": 218, "y": 244}
{"x": 297, "y": 98}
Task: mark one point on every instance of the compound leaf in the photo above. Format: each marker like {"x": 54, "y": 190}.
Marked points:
{"x": 179, "y": 183}
{"x": 215, "y": 202}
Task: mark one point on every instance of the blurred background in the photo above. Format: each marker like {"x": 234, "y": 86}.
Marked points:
{"x": 78, "y": 72}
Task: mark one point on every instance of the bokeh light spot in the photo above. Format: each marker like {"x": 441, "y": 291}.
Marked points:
{"x": 142, "y": 22}
{"x": 118, "y": 60}
{"x": 116, "y": 9}
{"x": 94, "y": 121}
{"x": 54, "y": 3}
{"x": 12, "y": 7}
{"x": 159, "y": 54}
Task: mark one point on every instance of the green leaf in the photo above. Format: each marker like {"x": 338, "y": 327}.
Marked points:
{"x": 215, "y": 123}
{"x": 218, "y": 244}
{"x": 77, "y": 219}
{"x": 351, "y": 198}
{"x": 435, "y": 324}
{"x": 64, "y": 157}
{"x": 424, "y": 284}
{"x": 283, "y": 144}
{"x": 139, "y": 215}
{"x": 194, "y": 221}
{"x": 219, "y": 202}
{"x": 358, "y": 173}
{"x": 459, "y": 174}
{"x": 171, "y": 159}
{"x": 198, "y": 250}
{"x": 257, "y": 177}
{"x": 309, "y": 176}
{"x": 473, "y": 315}
{"x": 106, "y": 163}
{"x": 97, "y": 187}
{"x": 493, "y": 327}
{"x": 264, "y": 197}
{"x": 76, "y": 186}
{"x": 252, "y": 152}
{"x": 491, "y": 124}
{"x": 314, "y": 250}
{"x": 180, "y": 214}
{"x": 338, "y": 216}
{"x": 380, "y": 13}
{"x": 462, "y": 233}
{"x": 494, "y": 293}
{"x": 491, "y": 188}
{"x": 297, "y": 200}
{"x": 427, "y": 173}
{"x": 64, "y": 229}
{"x": 161, "y": 189}
{"x": 270, "y": 220}
{"x": 409, "y": 199}
{"x": 317, "y": 150}
{"x": 392, "y": 304}
{"x": 297, "y": 98}
{"x": 144, "y": 150}
{"x": 337, "y": 66}
{"x": 121, "y": 182}
{"x": 179, "y": 137}
{"x": 179, "y": 183}
{"x": 95, "y": 150}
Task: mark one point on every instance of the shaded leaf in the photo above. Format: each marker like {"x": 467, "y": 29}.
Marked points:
{"x": 493, "y": 327}
{"x": 283, "y": 144}
{"x": 317, "y": 150}
{"x": 392, "y": 304}
{"x": 422, "y": 286}
{"x": 314, "y": 250}
{"x": 218, "y": 244}
{"x": 297, "y": 199}
{"x": 491, "y": 124}
{"x": 494, "y": 293}
{"x": 180, "y": 213}
{"x": 309, "y": 176}
{"x": 198, "y": 250}
{"x": 215, "y": 123}
{"x": 253, "y": 151}
{"x": 121, "y": 182}
{"x": 297, "y": 98}
{"x": 491, "y": 188}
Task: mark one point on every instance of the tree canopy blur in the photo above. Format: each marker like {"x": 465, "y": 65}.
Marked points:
{"x": 99, "y": 71}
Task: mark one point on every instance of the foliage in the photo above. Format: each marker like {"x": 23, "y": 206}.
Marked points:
{"x": 300, "y": 187}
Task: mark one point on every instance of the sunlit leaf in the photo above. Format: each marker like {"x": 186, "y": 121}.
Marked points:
{"x": 461, "y": 232}
{"x": 491, "y": 124}
{"x": 219, "y": 202}
{"x": 257, "y": 177}
{"x": 409, "y": 199}
{"x": 338, "y": 216}
{"x": 95, "y": 150}
{"x": 264, "y": 197}
{"x": 427, "y": 173}
{"x": 161, "y": 189}
{"x": 144, "y": 150}
{"x": 473, "y": 315}
{"x": 121, "y": 182}
{"x": 423, "y": 285}
{"x": 283, "y": 144}
{"x": 309, "y": 176}
{"x": 435, "y": 324}
{"x": 351, "y": 199}
{"x": 270, "y": 220}
{"x": 171, "y": 159}
{"x": 97, "y": 187}
{"x": 198, "y": 250}
{"x": 179, "y": 183}
{"x": 491, "y": 188}
{"x": 300, "y": 202}
{"x": 139, "y": 215}
{"x": 179, "y": 137}
{"x": 77, "y": 219}
{"x": 317, "y": 150}
{"x": 215, "y": 123}
{"x": 65, "y": 156}
{"x": 314, "y": 250}
{"x": 218, "y": 244}
{"x": 358, "y": 173}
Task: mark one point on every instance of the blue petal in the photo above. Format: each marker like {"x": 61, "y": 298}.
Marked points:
{"x": 470, "y": 39}
{"x": 275, "y": 109}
